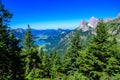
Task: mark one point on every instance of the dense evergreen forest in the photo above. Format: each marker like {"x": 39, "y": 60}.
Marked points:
{"x": 100, "y": 60}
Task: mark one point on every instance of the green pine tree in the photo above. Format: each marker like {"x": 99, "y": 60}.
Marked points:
{"x": 10, "y": 61}
{"x": 44, "y": 68}
{"x": 55, "y": 64}
{"x": 70, "y": 57}
{"x": 30, "y": 55}
{"x": 101, "y": 57}
{"x": 28, "y": 39}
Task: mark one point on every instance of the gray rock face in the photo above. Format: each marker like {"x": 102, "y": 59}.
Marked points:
{"x": 86, "y": 25}
{"x": 93, "y": 22}
{"x": 83, "y": 25}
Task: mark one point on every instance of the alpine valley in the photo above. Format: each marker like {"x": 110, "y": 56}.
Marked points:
{"x": 49, "y": 50}
{"x": 51, "y": 39}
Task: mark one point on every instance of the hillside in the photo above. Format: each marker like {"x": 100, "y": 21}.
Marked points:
{"x": 87, "y": 30}
{"x": 59, "y": 39}
{"x": 48, "y": 37}
{"x": 114, "y": 28}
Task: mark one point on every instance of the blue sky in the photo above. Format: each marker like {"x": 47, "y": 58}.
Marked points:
{"x": 53, "y": 14}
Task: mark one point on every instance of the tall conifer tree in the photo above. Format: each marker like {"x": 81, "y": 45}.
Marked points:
{"x": 101, "y": 58}
{"x": 55, "y": 64}
{"x": 69, "y": 60}
{"x": 10, "y": 62}
{"x": 30, "y": 54}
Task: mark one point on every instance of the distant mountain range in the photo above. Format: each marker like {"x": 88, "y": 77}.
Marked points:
{"x": 59, "y": 39}
{"x": 49, "y": 37}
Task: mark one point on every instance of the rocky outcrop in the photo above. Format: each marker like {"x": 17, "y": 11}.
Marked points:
{"x": 93, "y": 22}
{"x": 86, "y": 25}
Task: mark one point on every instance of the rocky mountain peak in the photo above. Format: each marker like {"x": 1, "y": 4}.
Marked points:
{"x": 93, "y": 22}
{"x": 83, "y": 25}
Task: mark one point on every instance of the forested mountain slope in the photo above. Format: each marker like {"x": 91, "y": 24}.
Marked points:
{"x": 87, "y": 31}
